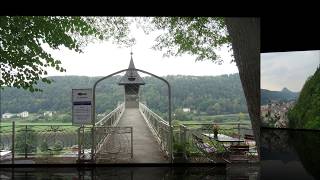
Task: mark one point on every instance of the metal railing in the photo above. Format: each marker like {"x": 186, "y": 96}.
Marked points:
{"x": 159, "y": 127}
{"x": 112, "y": 118}
{"x": 91, "y": 140}
{"x": 113, "y": 143}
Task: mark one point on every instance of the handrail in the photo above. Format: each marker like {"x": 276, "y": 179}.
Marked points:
{"x": 154, "y": 114}
{"x": 117, "y": 111}
{"x": 159, "y": 127}
{"x": 229, "y": 123}
{"x": 110, "y": 120}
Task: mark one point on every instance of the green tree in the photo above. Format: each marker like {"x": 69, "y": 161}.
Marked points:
{"x": 26, "y": 141}
{"x": 217, "y": 108}
{"x": 23, "y": 58}
{"x": 306, "y": 112}
{"x": 180, "y": 115}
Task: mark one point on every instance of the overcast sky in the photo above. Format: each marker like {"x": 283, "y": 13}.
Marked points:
{"x": 287, "y": 69}
{"x": 100, "y": 59}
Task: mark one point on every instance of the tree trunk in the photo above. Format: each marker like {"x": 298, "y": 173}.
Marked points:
{"x": 245, "y": 39}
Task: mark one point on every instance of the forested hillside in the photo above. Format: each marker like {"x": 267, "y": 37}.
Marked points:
{"x": 283, "y": 95}
{"x": 207, "y": 94}
{"x": 306, "y": 112}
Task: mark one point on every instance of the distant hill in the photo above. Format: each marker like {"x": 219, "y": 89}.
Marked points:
{"x": 284, "y": 95}
{"x": 306, "y": 112}
{"x": 211, "y": 94}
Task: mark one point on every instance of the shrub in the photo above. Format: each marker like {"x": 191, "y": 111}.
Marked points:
{"x": 58, "y": 146}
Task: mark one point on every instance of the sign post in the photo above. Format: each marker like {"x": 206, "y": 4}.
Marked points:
{"x": 81, "y": 106}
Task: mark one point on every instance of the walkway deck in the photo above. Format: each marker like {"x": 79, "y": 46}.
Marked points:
{"x": 145, "y": 147}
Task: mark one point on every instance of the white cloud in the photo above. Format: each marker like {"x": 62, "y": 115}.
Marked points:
{"x": 287, "y": 69}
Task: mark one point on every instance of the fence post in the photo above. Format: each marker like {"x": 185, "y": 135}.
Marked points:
{"x": 25, "y": 141}
{"x": 168, "y": 142}
{"x": 239, "y": 132}
{"x": 183, "y": 140}
{"x": 83, "y": 140}
{"x": 79, "y": 144}
{"x": 93, "y": 144}
{"x": 131, "y": 142}
{"x": 13, "y": 141}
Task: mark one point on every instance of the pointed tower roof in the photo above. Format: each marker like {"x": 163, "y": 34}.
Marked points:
{"x": 131, "y": 76}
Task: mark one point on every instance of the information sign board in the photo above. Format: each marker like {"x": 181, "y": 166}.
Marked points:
{"x": 81, "y": 106}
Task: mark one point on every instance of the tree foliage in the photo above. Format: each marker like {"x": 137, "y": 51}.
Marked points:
{"x": 198, "y": 36}
{"x": 23, "y": 59}
{"x": 306, "y": 112}
{"x": 26, "y": 141}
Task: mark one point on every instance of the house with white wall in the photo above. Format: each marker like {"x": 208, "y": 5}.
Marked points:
{"x": 186, "y": 109}
{"x": 23, "y": 114}
{"x": 7, "y": 115}
{"x": 47, "y": 113}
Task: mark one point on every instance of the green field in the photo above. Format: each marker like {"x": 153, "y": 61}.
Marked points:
{"x": 224, "y": 119}
{"x": 31, "y": 123}
{"x": 228, "y": 121}
{"x": 7, "y": 126}
{"x": 227, "y": 118}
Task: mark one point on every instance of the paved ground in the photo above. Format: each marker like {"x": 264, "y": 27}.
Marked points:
{"x": 145, "y": 147}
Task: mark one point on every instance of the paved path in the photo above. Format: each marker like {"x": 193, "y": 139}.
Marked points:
{"x": 145, "y": 147}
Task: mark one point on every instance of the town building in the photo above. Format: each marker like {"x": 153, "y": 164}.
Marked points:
{"x": 186, "y": 110}
{"x": 7, "y": 115}
{"x": 23, "y": 114}
{"x": 47, "y": 113}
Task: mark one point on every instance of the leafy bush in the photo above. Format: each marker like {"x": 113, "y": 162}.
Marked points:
{"x": 26, "y": 141}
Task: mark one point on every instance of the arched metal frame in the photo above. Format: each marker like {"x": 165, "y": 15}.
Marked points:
{"x": 94, "y": 107}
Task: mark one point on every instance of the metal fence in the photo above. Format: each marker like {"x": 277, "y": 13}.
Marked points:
{"x": 38, "y": 141}
{"x": 189, "y": 149}
{"x": 158, "y": 126}
{"x": 85, "y": 139}
{"x": 93, "y": 141}
{"x": 113, "y": 144}
{"x": 64, "y": 141}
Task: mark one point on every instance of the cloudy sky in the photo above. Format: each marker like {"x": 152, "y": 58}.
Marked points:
{"x": 103, "y": 58}
{"x": 287, "y": 69}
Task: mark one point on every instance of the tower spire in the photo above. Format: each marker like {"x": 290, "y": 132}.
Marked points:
{"x": 131, "y": 76}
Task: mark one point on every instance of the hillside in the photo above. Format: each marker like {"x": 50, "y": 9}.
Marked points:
{"x": 283, "y": 95}
{"x": 306, "y": 112}
{"x": 210, "y": 94}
